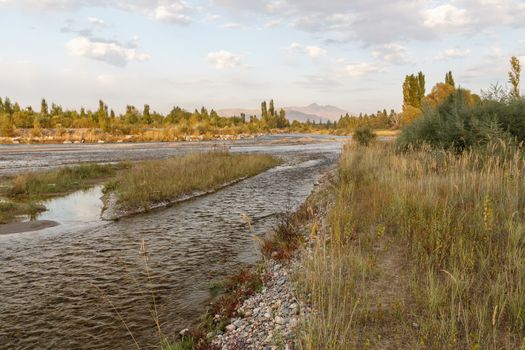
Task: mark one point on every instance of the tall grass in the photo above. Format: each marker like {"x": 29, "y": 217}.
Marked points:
{"x": 157, "y": 181}
{"x": 426, "y": 249}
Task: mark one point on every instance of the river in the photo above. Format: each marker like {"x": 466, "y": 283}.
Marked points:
{"x": 61, "y": 287}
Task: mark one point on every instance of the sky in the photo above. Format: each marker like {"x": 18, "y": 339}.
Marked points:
{"x": 353, "y": 54}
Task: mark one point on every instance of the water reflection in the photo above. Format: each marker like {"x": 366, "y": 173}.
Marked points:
{"x": 74, "y": 209}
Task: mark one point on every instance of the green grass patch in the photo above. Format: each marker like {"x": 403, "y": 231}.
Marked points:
{"x": 9, "y": 210}
{"x": 23, "y": 192}
{"x": 58, "y": 181}
{"x": 157, "y": 181}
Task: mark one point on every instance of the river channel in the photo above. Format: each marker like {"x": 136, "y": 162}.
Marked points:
{"x": 84, "y": 283}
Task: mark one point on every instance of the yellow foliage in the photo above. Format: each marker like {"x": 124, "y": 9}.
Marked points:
{"x": 441, "y": 91}
{"x": 410, "y": 113}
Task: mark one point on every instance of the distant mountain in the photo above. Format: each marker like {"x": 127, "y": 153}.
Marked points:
{"x": 311, "y": 112}
{"x": 326, "y": 112}
{"x": 292, "y": 115}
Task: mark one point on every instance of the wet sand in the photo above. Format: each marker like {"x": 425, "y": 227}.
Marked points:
{"x": 19, "y": 227}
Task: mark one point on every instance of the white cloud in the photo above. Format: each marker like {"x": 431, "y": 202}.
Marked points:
{"x": 453, "y": 53}
{"x": 172, "y": 11}
{"x": 392, "y": 53}
{"x": 223, "y": 59}
{"x": 96, "y": 21}
{"x": 109, "y": 52}
{"x": 445, "y": 15}
{"x": 232, "y": 26}
{"x": 105, "y": 80}
{"x": 312, "y": 51}
{"x": 272, "y": 23}
{"x": 341, "y": 21}
{"x": 356, "y": 70}
{"x": 175, "y": 12}
{"x": 210, "y": 17}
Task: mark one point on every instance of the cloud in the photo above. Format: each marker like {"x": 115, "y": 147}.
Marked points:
{"x": 105, "y": 80}
{"x": 392, "y": 53}
{"x": 110, "y": 52}
{"x": 340, "y": 21}
{"x": 171, "y": 11}
{"x": 232, "y": 26}
{"x": 272, "y": 23}
{"x": 445, "y": 15}
{"x": 356, "y": 70}
{"x": 312, "y": 51}
{"x": 320, "y": 82}
{"x": 175, "y": 12}
{"x": 453, "y": 53}
{"x": 96, "y": 21}
{"x": 210, "y": 17}
{"x": 223, "y": 59}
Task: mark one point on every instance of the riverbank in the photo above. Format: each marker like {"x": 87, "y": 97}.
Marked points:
{"x": 93, "y": 136}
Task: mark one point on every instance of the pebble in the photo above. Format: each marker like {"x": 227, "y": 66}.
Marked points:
{"x": 269, "y": 317}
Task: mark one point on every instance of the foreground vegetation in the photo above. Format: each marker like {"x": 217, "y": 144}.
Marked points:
{"x": 23, "y": 192}
{"x": 426, "y": 249}
{"x": 151, "y": 182}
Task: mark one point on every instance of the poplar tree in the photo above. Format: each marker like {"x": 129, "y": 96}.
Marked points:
{"x": 271, "y": 110}
{"x": 414, "y": 90}
{"x": 264, "y": 112}
{"x": 514, "y": 76}
{"x": 44, "y": 111}
{"x": 449, "y": 79}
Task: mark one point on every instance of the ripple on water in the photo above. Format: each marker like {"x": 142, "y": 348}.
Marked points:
{"x": 57, "y": 283}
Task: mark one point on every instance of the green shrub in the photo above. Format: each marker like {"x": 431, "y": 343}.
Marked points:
{"x": 364, "y": 135}
{"x": 456, "y": 125}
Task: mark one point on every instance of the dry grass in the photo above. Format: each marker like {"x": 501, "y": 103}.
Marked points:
{"x": 157, "y": 181}
{"x": 425, "y": 250}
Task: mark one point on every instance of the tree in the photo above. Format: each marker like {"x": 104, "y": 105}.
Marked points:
{"x": 6, "y": 126}
{"x": 439, "y": 94}
{"x": 271, "y": 110}
{"x": 44, "y": 111}
{"x": 514, "y": 76}
{"x": 410, "y": 113}
{"x": 449, "y": 79}
{"x": 264, "y": 112}
{"x": 413, "y": 94}
{"x": 146, "y": 115}
{"x": 421, "y": 86}
{"x": 414, "y": 90}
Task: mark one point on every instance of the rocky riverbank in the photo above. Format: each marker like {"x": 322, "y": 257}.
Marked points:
{"x": 268, "y": 319}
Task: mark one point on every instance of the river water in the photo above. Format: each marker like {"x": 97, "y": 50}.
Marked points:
{"x": 85, "y": 282}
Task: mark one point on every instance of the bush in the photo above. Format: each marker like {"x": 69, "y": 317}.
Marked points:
{"x": 457, "y": 125}
{"x": 363, "y": 135}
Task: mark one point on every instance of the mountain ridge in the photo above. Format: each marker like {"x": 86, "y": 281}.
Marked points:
{"x": 311, "y": 112}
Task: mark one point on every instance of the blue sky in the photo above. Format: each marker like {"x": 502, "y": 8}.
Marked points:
{"x": 235, "y": 53}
